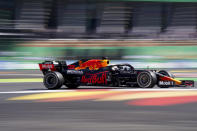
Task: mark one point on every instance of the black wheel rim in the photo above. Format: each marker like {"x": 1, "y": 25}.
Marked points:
{"x": 144, "y": 80}
{"x": 51, "y": 80}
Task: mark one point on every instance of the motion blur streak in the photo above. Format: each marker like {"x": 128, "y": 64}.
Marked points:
{"x": 21, "y": 80}
{"x": 148, "y": 95}
{"x": 156, "y": 34}
{"x": 89, "y": 97}
{"x": 60, "y": 95}
{"x": 165, "y": 101}
{"x": 139, "y": 98}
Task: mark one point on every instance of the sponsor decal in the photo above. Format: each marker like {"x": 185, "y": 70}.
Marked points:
{"x": 74, "y": 72}
{"x": 166, "y": 78}
{"x": 47, "y": 66}
{"x": 98, "y": 78}
{"x": 71, "y": 66}
{"x": 166, "y": 83}
{"x": 91, "y": 64}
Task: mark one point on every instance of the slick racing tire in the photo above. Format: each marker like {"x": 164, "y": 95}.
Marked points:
{"x": 166, "y": 73}
{"x": 146, "y": 79}
{"x": 72, "y": 86}
{"x": 53, "y": 80}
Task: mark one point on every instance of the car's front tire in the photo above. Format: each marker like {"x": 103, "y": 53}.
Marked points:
{"x": 146, "y": 79}
{"x": 53, "y": 80}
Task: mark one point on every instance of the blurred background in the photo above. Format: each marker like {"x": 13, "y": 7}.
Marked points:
{"x": 144, "y": 33}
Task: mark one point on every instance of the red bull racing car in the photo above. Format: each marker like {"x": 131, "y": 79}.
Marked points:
{"x": 98, "y": 72}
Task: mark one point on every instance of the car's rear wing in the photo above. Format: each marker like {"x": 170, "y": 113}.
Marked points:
{"x": 47, "y": 66}
{"x": 52, "y": 66}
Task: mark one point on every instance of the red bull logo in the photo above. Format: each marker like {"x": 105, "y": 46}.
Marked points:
{"x": 47, "y": 66}
{"x": 71, "y": 66}
{"x": 92, "y": 64}
{"x": 98, "y": 78}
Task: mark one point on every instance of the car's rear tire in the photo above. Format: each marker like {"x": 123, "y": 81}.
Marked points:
{"x": 165, "y": 73}
{"x": 146, "y": 79}
{"x": 53, "y": 80}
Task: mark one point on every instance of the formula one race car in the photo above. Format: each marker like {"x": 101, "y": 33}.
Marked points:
{"x": 98, "y": 72}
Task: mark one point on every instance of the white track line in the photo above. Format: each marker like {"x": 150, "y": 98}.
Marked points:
{"x": 157, "y": 89}
{"x": 138, "y": 89}
{"x": 21, "y": 74}
{"x": 37, "y": 91}
{"x": 19, "y": 82}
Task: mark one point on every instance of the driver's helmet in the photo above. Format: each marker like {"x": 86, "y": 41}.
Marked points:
{"x": 114, "y": 68}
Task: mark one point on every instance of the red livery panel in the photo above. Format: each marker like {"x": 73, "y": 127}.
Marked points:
{"x": 71, "y": 66}
{"x": 47, "y": 66}
{"x": 96, "y": 78}
{"x": 92, "y": 64}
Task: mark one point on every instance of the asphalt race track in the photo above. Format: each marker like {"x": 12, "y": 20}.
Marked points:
{"x": 25, "y": 105}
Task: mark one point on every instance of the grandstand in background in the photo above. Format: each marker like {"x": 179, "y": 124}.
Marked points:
{"x": 96, "y": 19}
